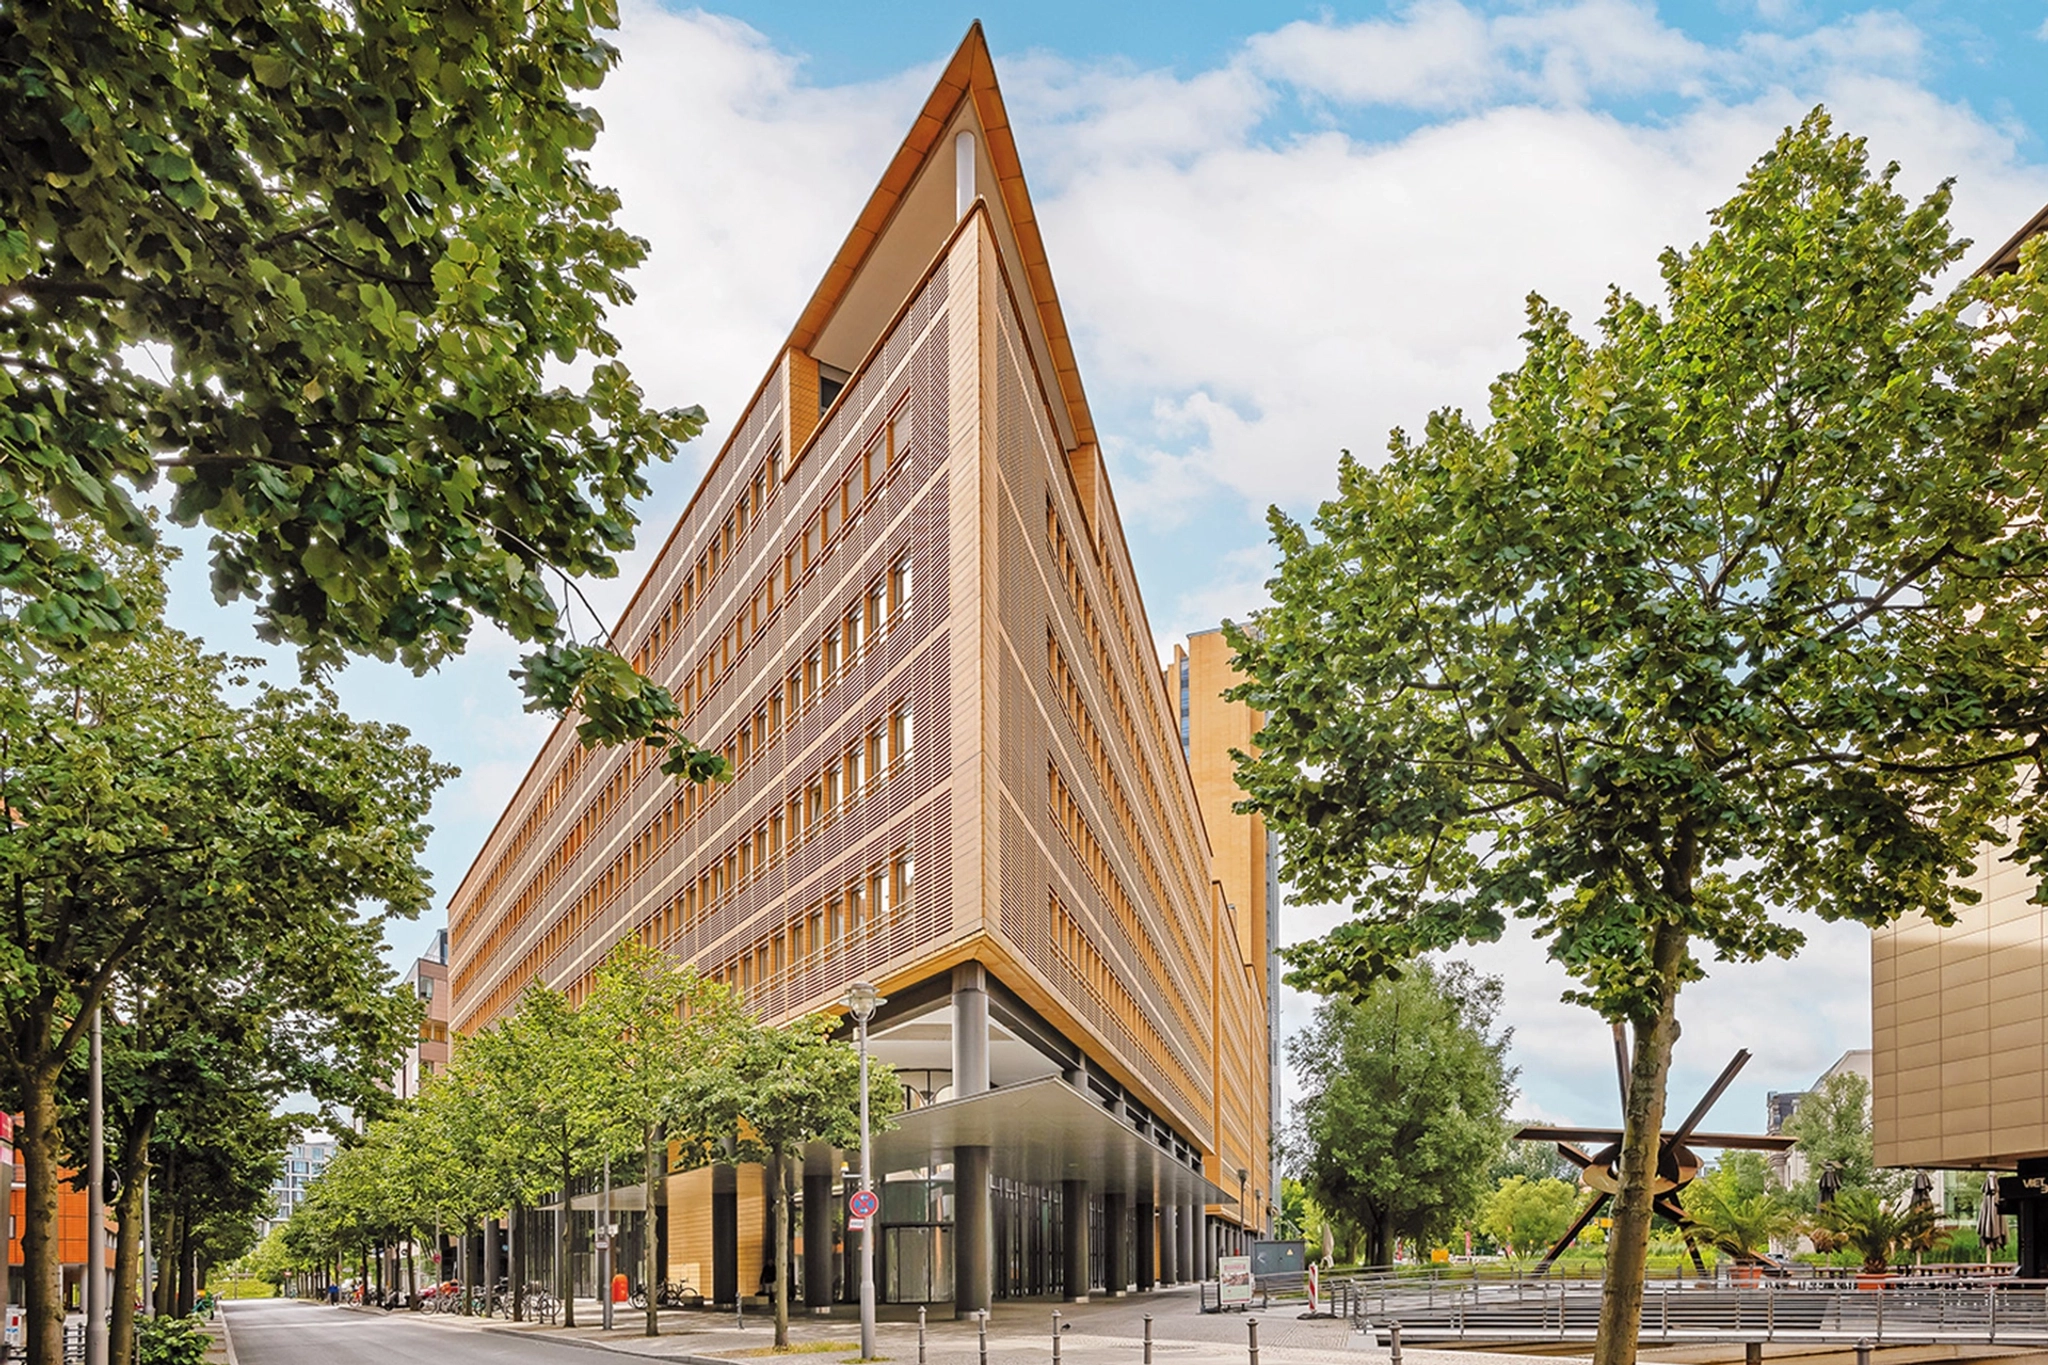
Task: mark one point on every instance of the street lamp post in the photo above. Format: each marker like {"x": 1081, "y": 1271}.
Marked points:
{"x": 862, "y": 1000}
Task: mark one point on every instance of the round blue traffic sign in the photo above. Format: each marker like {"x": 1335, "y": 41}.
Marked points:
{"x": 863, "y": 1204}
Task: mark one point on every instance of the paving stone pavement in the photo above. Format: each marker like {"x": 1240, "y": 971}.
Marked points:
{"x": 1105, "y": 1332}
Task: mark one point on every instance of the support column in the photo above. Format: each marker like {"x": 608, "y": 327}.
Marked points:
{"x": 1191, "y": 1268}
{"x": 1147, "y": 1231}
{"x": 1116, "y": 1232}
{"x": 818, "y": 1241}
{"x": 970, "y": 1030}
{"x": 725, "y": 1234}
{"x": 1074, "y": 1238}
{"x": 974, "y": 1246}
{"x": 1169, "y": 1246}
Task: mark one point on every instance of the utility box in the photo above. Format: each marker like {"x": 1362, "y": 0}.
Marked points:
{"x": 1279, "y": 1258}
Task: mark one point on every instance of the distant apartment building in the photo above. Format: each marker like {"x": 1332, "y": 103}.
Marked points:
{"x": 427, "y": 979}
{"x": 902, "y": 604}
{"x": 1959, "y": 1022}
{"x": 301, "y": 1165}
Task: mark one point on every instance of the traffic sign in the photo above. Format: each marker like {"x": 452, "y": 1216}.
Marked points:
{"x": 863, "y": 1204}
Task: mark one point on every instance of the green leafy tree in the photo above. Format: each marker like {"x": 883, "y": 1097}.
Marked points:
{"x": 1830, "y": 1127}
{"x": 1724, "y": 612}
{"x": 361, "y": 256}
{"x": 1526, "y": 1216}
{"x": 785, "y": 1088}
{"x": 1405, "y": 1093}
{"x": 659, "y": 1027}
{"x": 1531, "y": 1161}
{"x": 1736, "y": 1174}
{"x": 151, "y": 819}
{"x": 307, "y": 1008}
{"x": 538, "y": 1084}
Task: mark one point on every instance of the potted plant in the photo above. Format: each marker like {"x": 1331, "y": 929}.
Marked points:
{"x": 1739, "y": 1227}
{"x": 1861, "y": 1221}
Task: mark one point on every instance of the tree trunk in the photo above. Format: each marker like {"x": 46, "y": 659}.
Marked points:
{"x": 133, "y": 1170}
{"x": 568, "y": 1276}
{"x": 42, "y": 1273}
{"x": 778, "y": 1171}
{"x": 514, "y": 1225}
{"x": 1628, "y": 1248}
{"x": 650, "y": 1282}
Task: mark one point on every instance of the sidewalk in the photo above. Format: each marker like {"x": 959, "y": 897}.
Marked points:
{"x": 1106, "y": 1332}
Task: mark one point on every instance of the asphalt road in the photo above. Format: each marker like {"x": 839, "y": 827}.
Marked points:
{"x": 285, "y": 1332}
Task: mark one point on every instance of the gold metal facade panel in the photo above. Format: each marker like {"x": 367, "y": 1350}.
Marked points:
{"x": 1960, "y": 1029}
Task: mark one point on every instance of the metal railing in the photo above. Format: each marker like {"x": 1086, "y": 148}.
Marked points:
{"x": 1900, "y": 1309}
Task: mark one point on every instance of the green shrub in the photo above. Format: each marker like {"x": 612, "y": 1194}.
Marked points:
{"x": 169, "y": 1341}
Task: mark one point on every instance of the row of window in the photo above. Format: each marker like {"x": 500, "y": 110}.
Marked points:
{"x": 866, "y": 476}
{"x": 866, "y": 905}
{"x": 841, "y": 508}
{"x": 1173, "y": 818}
{"x": 848, "y": 776}
{"x": 866, "y": 621}
{"x": 1072, "y": 945}
{"x": 1072, "y": 822}
{"x": 1067, "y": 687}
{"x": 854, "y": 775}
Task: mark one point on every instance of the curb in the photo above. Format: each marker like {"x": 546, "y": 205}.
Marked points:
{"x": 227, "y": 1338}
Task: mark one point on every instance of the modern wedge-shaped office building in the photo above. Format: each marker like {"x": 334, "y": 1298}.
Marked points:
{"x": 902, "y": 604}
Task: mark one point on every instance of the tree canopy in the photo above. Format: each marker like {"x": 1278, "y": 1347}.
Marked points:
{"x": 165, "y": 811}
{"x": 1405, "y": 1094}
{"x": 1526, "y": 1216}
{"x": 340, "y": 274}
{"x": 1830, "y": 1127}
{"x": 1726, "y": 611}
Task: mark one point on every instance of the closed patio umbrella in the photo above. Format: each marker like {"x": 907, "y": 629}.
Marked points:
{"x": 1830, "y": 1184}
{"x": 1923, "y": 1189}
{"x": 1990, "y": 1218}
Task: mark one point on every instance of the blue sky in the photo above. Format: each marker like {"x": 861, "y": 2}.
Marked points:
{"x": 1277, "y": 231}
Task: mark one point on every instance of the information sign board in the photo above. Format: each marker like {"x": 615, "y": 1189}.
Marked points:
{"x": 1233, "y": 1280}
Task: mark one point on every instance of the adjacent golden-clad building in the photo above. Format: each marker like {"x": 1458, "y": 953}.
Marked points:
{"x": 1959, "y": 1021}
{"x": 902, "y": 604}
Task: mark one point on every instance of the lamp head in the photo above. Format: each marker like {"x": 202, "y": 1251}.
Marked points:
{"x": 862, "y": 1000}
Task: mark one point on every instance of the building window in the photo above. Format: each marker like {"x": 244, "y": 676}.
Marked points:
{"x": 899, "y": 586}
{"x": 899, "y": 738}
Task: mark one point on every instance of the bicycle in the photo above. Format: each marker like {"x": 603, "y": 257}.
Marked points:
{"x": 670, "y": 1294}
{"x": 539, "y": 1303}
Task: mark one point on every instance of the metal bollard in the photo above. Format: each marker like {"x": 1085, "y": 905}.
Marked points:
{"x": 1393, "y": 1343}
{"x": 920, "y": 1334}
{"x": 981, "y": 1326}
{"x": 1055, "y": 1336}
{"x": 1863, "y": 1352}
{"x": 1752, "y": 1353}
{"x": 1251, "y": 1326}
{"x": 1148, "y": 1339}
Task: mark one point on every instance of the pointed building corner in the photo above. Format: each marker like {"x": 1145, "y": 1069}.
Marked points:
{"x": 902, "y": 605}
